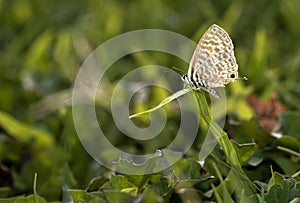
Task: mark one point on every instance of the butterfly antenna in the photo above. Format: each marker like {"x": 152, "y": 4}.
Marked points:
{"x": 243, "y": 78}
{"x": 178, "y": 69}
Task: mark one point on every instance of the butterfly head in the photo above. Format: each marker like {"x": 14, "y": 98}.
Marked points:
{"x": 233, "y": 76}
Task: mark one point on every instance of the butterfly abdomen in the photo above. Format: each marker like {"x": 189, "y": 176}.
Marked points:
{"x": 192, "y": 82}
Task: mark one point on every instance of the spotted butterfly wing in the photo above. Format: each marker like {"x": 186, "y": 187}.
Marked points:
{"x": 213, "y": 63}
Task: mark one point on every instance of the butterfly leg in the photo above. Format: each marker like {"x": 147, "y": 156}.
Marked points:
{"x": 212, "y": 91}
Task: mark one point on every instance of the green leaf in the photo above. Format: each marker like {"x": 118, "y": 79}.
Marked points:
{"x": 187, "y": 169}
{"x": 128, "y": 166}
{"x": 288, "y": 142}
{"x": 285, "y": 162}
{"x": 255, "y": 160}
{"x": 237, "y": 102}
{"x": 138, "y": 180}
{"x": 202, "y": 104}
{"x": 68, "y": 182}
{"x": 96, "y": 183}
{"x": 117, "y": 182}
{"x": 150, "y": 196}
{"x": 187, "y": 173}
{"x": 116, "y": 197}
{"x": 160, "y": 184}
{"x": 279, "y": 189}
{"x": 245, "y": 151}
{"x": 290, "y": 123}
{"x": 189, "y": 195}
{"x": 296, "y": 200}
{"x": 288, "y": 151}
{"x": 34, "y": 188}
{"x": 28, "y": 199}
{"x": 164, "y": 102}
{"x": 131, "y": 190}
{"x": 245, "y": 199}
{"x": 298, "y": 188}
{"x": 225, "y": 144}
{"x": 24, "y": 132}
{"x": 83, "y": 196}
{"x": 250, "y": 131}
{"x": 6, "y": 191}
{"x": 217, "y": 194}
{"x": 227, "y": 186}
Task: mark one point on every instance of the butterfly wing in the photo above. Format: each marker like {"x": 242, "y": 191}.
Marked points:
{"x": 214, "y": 92}
{"x": 217, "y": 71}
{"x": 213, "y": 63}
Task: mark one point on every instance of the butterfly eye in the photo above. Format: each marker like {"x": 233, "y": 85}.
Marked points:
{"x": 232, "y": 75}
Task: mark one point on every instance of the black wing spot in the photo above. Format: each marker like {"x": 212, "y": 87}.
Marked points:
{"x": 232, "y": 75}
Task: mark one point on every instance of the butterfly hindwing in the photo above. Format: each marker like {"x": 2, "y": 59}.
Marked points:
{"x": 213, "y": 63}
{"x": 214, "y": 92}
{"x": 217, "y": 70}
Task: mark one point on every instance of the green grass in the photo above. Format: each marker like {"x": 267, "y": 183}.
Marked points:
{"x": 43, "y": 45}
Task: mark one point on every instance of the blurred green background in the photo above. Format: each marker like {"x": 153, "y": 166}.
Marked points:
{"x": 44, "y": 43}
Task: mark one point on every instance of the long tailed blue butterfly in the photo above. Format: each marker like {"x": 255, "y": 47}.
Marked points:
{"x": 213, "y": 63}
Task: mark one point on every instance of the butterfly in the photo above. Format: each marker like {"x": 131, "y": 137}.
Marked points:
{"x": 213, "y": 63}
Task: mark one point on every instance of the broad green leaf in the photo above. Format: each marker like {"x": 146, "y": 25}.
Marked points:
{"x": 187, "y": 173}
{"x": 290, "y": 123}
{"x": 117, "y": 197}
{"x": 160, "y": 184}
{"x": 117, "y": 182}
{"x": 245, "y": 151}
{"x": 187, "y": 169}
{"x": 192, "y": 183}
{"x": 128, "y": 166}
{"x": 248, "y": 132}
{"x": 138, "y": 180}
{"x": 288, "y": 165}
{"x": 83, "y": 196}
{"x": 149, "y": 196}
{"x": 279, "y": 189}
{"x": 255, "y": 160}
{"x": 189, "y": 195}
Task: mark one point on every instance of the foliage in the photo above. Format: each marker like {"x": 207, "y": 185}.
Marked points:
{"x": 43, "y": 45}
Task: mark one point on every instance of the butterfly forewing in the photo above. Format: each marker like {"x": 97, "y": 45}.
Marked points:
{"x": 213, "y": 63}
{"x": 214, "y": 40}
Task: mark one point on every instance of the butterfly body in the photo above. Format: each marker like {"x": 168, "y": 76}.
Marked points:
{"x": 213, "y": 63}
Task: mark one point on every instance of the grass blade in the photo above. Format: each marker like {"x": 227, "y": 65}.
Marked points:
{"x": 164, "y": 102}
